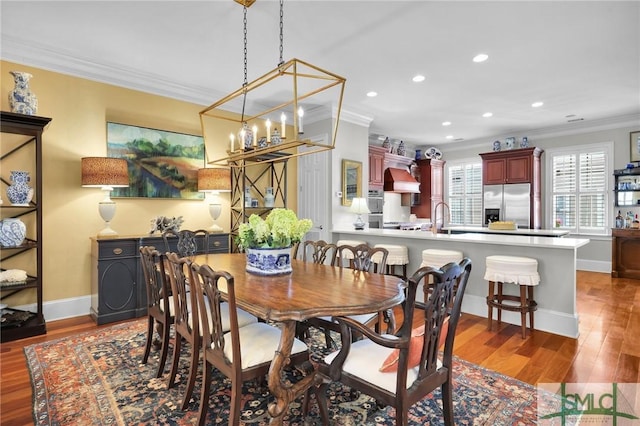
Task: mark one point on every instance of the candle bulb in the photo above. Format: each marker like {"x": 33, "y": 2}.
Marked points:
{"x": 283, "y": 121}
{"x": 255, "y": 135}
{"x": 300, "y": 115}
{"x": 268, "y": 125}
{"x": 232, "y": 142}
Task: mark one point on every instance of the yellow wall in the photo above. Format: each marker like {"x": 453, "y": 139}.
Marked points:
{"x": 79, "y": 109}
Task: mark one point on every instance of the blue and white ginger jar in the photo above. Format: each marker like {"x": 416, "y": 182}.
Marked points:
{"x": 19, "y": 192}
{"x": 12, "y": 232}
{"x": 21, "y": 100}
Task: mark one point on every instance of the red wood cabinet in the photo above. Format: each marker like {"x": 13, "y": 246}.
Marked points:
{"x": 513, "y": 166}
{"x": 376, "y": 167}
{"x": 430, "y": 174}
{"x": 625, "y": 253}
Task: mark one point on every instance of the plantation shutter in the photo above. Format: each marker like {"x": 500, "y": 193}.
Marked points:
{"x": 465, "y": 193}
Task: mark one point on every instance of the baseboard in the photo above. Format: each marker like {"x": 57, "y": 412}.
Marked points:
{"x": 545, "y": 320}
{"x": 593, "y": 265}
{"x": 62, "y": 308}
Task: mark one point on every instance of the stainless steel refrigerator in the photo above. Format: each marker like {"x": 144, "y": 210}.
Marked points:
{"x": 507, "y": 203}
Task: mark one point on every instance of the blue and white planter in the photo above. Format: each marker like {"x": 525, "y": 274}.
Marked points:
{"x": 269, "y": 261}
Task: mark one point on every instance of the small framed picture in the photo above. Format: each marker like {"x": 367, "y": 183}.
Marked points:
{"x": 634, "y": 143}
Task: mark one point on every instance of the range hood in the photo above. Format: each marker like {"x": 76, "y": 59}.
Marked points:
{"x": 400, "y": 181}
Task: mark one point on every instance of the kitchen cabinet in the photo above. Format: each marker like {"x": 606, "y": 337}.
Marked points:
{"x": 625, "y": 253}
{"x": 516, "y": 166}
{"x": 376, "y": 167}
{"x": 430, "y": 174}
{"x": 21, "y": 150}
{"x": 627, "y": 187}
{"x": 117, "y": 283}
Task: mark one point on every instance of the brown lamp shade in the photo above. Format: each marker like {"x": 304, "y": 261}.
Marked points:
{"x": 104, "y": 171}
{"x": 214, "y": 179}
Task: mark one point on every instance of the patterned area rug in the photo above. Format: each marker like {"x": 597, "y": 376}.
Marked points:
{"x": 97, "y": 378}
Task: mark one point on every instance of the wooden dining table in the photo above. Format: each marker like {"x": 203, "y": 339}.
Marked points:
{"x": 311, "y": 290}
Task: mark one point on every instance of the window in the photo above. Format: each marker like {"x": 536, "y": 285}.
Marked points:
{"x": 464, "y": 180}
{"x": 578, "y": 188}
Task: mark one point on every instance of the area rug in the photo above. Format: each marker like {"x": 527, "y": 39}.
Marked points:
{"x": 97, "y": 378}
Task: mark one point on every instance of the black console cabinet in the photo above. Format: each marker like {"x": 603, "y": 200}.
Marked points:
{"x": 117, "y": 283}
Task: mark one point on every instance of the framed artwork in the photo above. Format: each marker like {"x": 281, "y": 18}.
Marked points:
{"x": 635, "y": 145}
{"x": 162, "y": 164}
{"x": 351, "y": 181}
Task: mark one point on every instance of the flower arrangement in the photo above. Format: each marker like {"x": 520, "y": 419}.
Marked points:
{"x": 280, "y": 229}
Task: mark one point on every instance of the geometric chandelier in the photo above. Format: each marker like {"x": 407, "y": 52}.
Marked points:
{"x": 263, "y": 121}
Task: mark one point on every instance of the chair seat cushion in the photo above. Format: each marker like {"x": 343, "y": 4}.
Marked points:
{"x": 258, "y": 344}
{"x": 363, "y": 359}
{"x": 512, "y": 269}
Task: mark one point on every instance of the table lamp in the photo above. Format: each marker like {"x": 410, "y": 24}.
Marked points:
{"x": 359, "y": 206}
{"x": 213, "y": 181}
{"x": 105, "y": 173}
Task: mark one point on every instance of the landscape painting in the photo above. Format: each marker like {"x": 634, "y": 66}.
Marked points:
{"x": 162, "y": 164}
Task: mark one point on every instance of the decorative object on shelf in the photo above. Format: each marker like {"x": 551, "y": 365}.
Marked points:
{"x": 247, "y": 197}
{"x": 19, "y": 192}
{"x": 402, "y": 150}
{"x": 161, "y": 224}
{"x": 387, "y": 144}
{"x": 12, "y": 232}
{"x": 280, "y": 230}
{"x": 496, "y": 146}
{"x": 21, "y": 99}
{"x": 359, "y": 207}
{"x": 433, "y": 153}
{"x": 275, "y": 137}
{"x": 437, "y": 154}
{"x": 269, "y": 198}
{"x": 245, "y": 136}
{"x": 509, "y": 143}
{"x": 524, "y": 143}
{"x": 286, "y": 87}
{"x": 418, "y": 155}
{"x": 13, "y": 276}
{"x": 213, "y": 181}
{"x": 105, "y": 173}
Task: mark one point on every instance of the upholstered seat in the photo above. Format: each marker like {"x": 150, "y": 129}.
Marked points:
{"x": 521, "y": 271}
{"x": 398, "y": 256}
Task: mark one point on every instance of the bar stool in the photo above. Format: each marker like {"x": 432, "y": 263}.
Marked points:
{"x": 398, "y": 256}
{"x": 522, "y": 271}
{"x": 436, "y": 258}
{"x": 347, "y": 254}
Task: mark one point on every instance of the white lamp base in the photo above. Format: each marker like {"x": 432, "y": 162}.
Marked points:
{"x": 215, "y": 229}
{"x": 107, "y": 231}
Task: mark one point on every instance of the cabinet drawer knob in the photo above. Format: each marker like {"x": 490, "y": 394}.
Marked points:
{"x": 117, "y": 251}
{"x": 216, "y": 243}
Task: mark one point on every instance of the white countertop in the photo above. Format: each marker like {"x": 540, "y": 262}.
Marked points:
{"x": 521, "y": 231}
{"x": 474, "y": 238}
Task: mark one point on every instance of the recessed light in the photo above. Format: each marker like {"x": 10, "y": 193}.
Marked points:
{"x": 418, "y": 78}
{"x": 487, "y": 114}
{"x": 480, "y": 57}
{"x": 537, "y": 104}
{"x": 372, "y": 94}
{"x": 449, "y": 136}
{"x": 446, "y": 123}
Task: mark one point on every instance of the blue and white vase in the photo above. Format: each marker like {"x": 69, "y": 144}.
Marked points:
{"x": 269, "y": 261}
{"x": 12, "y": 232}
{"x": 402, "y": 150}
{"x": 19, "y": 192}
{"x": 21, "y": 100}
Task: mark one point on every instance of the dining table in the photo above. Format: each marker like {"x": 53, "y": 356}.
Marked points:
{"x": 311, "y": 290}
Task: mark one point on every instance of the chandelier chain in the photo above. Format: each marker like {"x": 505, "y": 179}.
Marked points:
{"x": 281, "y": 31}
{"x": 244, "y": 84}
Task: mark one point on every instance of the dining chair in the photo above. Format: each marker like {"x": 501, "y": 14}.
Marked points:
{"x": 243, "y": 353}
{"x": 399, "y": 370}
{"x": 319, "y": 251}
{"x": 159, "y": 302}
{"x": 358, "y": 258}
{"x": 187, "y": 325}
{"x": 187, "y": 243}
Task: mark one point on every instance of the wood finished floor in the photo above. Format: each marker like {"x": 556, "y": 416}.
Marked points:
{"x": 608, "y": 349}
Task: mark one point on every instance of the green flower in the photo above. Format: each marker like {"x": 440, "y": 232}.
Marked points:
{"x": 281, "y": 228}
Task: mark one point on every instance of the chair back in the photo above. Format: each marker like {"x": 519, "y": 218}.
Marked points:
{"x": 360, "y": 258}
{"x": 442, "y": 299}
{"x": 184, "y": 300}
{"x": 155, "y": 279}
{"x": 209, "y": 285}
{"x": 320, "y": 252}
{"x": 187, "y": 244}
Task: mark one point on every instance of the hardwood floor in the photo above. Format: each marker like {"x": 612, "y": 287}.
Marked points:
{"x": 608, "y": 349}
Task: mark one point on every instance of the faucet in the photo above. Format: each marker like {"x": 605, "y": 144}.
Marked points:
{"x": 434, "y": 225}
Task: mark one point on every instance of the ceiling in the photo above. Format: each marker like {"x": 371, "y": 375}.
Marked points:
{"x": 582, "y": 59}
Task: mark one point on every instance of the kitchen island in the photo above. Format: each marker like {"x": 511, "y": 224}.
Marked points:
{"x": 556, "y": 294}
{"x": 520, "y": 231}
